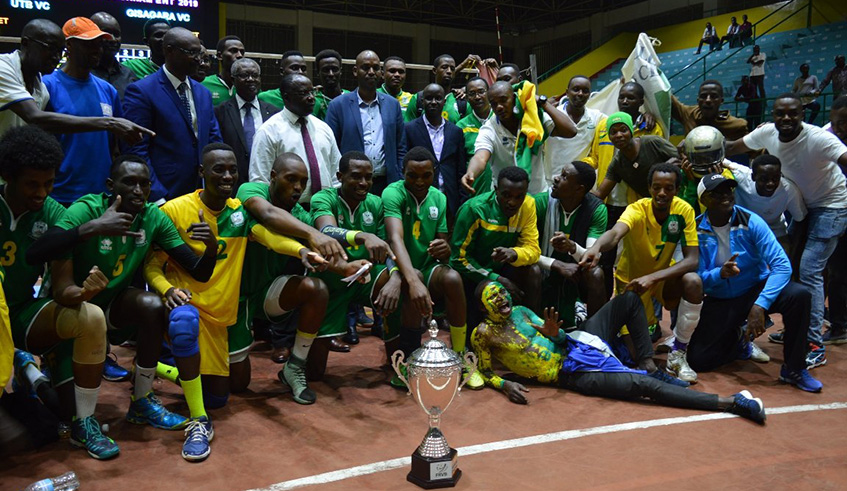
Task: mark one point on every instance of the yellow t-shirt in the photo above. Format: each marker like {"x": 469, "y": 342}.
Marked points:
{"x": 7, "y": 347}
{"x": 649, "y": 246}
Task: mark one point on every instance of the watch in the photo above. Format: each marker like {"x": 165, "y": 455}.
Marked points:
{"x": 542, "y": 100}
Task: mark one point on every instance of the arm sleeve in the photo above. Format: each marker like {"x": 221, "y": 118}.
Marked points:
{"x": 154, "y": 271}
{"x": 139, "y": 110}
{"x": 262, "y": 156}
{"x": 320, "y": 205}
{"x": 54, "y": 244}
{"x": 527, "y": 248}
{"x": 485, "y": 139}
{"x": 755, "y": 140}
{"x": 278, "y": 243}
{"x": 777, "y": 260}
{"x": 709, "y": 273}
{"x": 333, "y": 119}
{"x": 461, "y": 261}
{"x": 593, "y": 157}
{"x": 484, "y": 360}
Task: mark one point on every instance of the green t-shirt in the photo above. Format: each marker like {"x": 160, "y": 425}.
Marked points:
{"x": 470, "y": 126}
{"x": 262, "y": 265}
{"x": 16, "y": 236}
{"x": 118, "y": 257}
{"x": 367, "y": 217}
{"x": 421, "y": 221}
{"x": 141, "y": 67}
{"x": 403, "y": 97}
{"x": 599, "y": 220}
{"x": 321, "y": 103}
{"x": 220, "y": 92}
{"x": 654, "y": 149}
{"x": 272, "y": 97}
{"x": 450, "y": 112}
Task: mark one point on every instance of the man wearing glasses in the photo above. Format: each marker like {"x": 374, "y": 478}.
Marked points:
{"x": 23, "y": 96}
{"x": 180, "y": 111}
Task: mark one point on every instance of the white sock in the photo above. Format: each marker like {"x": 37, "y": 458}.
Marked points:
{"x": 86, "y": 401}
{"x": 34, "y": 375}
{"x": 302, "y": 345}
{"x": 143, "y": 381}
{"x": 687, "y": 318}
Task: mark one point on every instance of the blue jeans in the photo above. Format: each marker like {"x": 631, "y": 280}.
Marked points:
{"x": 825, "y": 227}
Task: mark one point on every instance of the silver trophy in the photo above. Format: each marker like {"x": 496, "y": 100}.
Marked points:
{"x": 433, "y": 376}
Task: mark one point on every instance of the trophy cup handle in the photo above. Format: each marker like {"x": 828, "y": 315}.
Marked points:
{"x": 396, "y": 363}
{"x": 470, "y": 361}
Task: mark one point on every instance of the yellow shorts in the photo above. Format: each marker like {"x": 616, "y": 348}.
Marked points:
{"x": 214, "y": 347}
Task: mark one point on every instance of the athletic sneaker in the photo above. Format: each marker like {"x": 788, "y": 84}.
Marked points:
{"x": 149, "y": 411}
{"x": 678, "y": 366}
{"x": 85, "y": 433}
{"x": 747, "y": 406}
{"x": 198, "y": 434}
{"x": 668, "y": 379}
{"x": 757, "y": 355}
{"x": 20, "y": 382}
{"x": 777, "y": 337}
{"x": 112, "y": 372}
{"x": 816, "y": 357}
{"x": 835, "y": 336}
{"x": 475, "y": 382}
{"x": 293, "y": 374}
{"x": 666, "y": 346}
{"x": 362, "y": 318}
{"x": 800, "y": 379}
{"x": 655, "y": 332}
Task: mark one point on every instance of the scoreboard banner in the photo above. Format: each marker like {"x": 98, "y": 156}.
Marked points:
{"x": 199, "y": 16}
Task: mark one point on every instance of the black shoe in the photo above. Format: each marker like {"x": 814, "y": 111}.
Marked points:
{"x": 352, "y": 336}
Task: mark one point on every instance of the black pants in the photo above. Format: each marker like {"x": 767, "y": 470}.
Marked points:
{"x": 837, "y": 267}
{"x": 628, "y": 310}
{"x": 815, "y": 107}
{"x": 716, "y": 338}
{"x": 759, "y": 82}
{"x": 607, "y": 260}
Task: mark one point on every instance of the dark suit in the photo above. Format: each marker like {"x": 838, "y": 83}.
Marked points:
{"x": 174, "y": 153}
{"x": 452, "y": 164}
{"x": 346, "y": 122}
{"x": 229, "y": 118}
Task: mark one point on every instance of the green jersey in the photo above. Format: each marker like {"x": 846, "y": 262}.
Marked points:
{"x": 141, "y": 67}
{"x": 451, "y": 111}
{"x": 262, "y": 265}
{"x": 221, "y": 92}
{"x": 403, "y": 97}
{"x": 482, "y": 226}
{"x": 367, "y": 217}
{"x": 421, "y": 221}
{"x": 16, "y": 236}
{"x": 321, "y": 103}
{"x": 470, "y": 126}
{"x": 599, "y": 220}
{"x": 118, "y": 257}
{"x": 272, "y": 97}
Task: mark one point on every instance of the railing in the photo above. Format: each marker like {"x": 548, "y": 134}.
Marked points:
{"x": 703, "y": 58}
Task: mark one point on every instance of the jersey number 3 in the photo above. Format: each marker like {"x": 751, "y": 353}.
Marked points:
{"x": 10, "y": 248}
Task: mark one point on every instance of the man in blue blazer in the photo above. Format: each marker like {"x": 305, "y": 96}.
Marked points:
{"x": 446, "y": 141}
{"x": 371, "y": 122}
{"x": 181, "y": 113}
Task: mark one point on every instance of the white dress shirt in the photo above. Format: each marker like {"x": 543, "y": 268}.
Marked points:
{"x": 281, "y": 134}
{"x": 257, "y": 114}
{"x": 188, "y": 92}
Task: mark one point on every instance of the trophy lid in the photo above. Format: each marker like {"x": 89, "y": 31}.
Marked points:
{"x": 434, "y": 353}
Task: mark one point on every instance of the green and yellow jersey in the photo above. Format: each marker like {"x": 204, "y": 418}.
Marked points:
{"x": 470, "y": 126}
{"x": 599, "y": 221}
{"x": 220, "y": 91}
{"x": 367, "y": 217}
{"x": 7, "y": 347}
{"x": 421, "y": 221}
{"x": 403, "y": 97}
{"x": 321, "y": 103}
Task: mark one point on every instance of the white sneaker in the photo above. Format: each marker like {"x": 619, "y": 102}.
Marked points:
{"x": 666, "y": 346}
{"x": 678, "y": 366}
{"x": 757, "y": 355}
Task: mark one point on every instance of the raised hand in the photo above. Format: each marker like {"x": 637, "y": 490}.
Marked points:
{"x": 95, "y": 283}
{"x": 730, "y": 267}
{"x": 202, "y": 232}
{"x": 113, "y": 222}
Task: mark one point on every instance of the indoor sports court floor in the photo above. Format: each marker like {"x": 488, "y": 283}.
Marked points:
{"x": 360, "y": 433}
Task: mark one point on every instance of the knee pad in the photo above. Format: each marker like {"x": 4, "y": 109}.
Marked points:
{"x": 211, "y": 401}
{"x": 86, "y": 325}
{"x": 184, "y": 329}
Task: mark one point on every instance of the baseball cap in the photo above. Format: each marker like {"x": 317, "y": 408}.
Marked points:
{"x": 83, "y": 28}
{"x": 619, "y": 117}
{"x": 711, "y": 181}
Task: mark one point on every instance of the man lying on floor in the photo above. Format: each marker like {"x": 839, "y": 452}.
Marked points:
{"x": 582, "y": 360}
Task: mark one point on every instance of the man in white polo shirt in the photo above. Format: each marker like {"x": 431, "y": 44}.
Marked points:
{"x": 811, "y": 158}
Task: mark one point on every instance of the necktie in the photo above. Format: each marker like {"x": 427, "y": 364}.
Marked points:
{"x": 249, "y": 126}
{"x": 314, "y": 169}
{"x": 183, "y": 96}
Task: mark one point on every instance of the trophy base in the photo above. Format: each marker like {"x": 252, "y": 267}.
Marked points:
{"x": 434, "y": 472}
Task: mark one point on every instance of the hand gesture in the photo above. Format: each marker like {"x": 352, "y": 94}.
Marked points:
{"x": 202, "y": 232}
{"x": 113, "y": 222}
{"x": 176, "y": 297}
{"x": 439, "y": 249}
{"x": 355, "y": 266}
{"x": 128, "y": 131}
{"x": 730, "y": 268}
{"x": 649, "y": 121}
{"x": 505, "y": 255}
{"x": 467, "y": 183}
{"x": 561, "y": 243}
{"x": 312, "y": 261}
{"x": 551, "y": 325}
{"x": 95, "y": 283}
{"x": 326, "y": 246}
{"x": 755, "y": 322}
{"x": 515, "y": 392}
{"x": 590, "y": 259}
{"x": 388, "y": 297}
{"x": 641, "y": 285}
{"x": 378, "y": 249}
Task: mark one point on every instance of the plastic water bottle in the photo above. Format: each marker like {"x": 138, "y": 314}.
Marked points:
{"x": 65, "y": 482}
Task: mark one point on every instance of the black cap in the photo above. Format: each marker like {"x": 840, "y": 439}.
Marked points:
{"x": 712, "y": 181}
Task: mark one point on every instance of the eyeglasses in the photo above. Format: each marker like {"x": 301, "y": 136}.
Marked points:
{"x": 53, "y": 49}
{"x": 476, "y": 93}
{"x": 302, "y": 93}
{"x": 246, "y": 76}
{"x": 197, "y": 53}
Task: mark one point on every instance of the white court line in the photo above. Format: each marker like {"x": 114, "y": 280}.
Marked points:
{"x": 387, "y": 465}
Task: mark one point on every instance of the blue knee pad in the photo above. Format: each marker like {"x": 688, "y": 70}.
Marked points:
{"x": 212, "y": 401}
{"x": 184, "y": 329}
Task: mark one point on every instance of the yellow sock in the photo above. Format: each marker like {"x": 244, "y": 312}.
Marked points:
{"x": 457, "y": 337}
{"x": 193, "y": 390}
{"x": 167, "y": 372}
